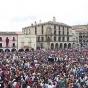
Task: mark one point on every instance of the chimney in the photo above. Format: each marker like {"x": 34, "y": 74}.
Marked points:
{"x": 54, "y": 19}
{"x": 35, "y": 23}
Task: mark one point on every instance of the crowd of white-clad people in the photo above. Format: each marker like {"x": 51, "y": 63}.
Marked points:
{"x": 44, "y": 69}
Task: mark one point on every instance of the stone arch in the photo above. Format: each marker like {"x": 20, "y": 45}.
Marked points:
{"x": 73, "y": 45}
{"x": 61, "y": 45}
{"x": 20, "y": 50}
{"x": 56, "y": 46}
{"x": 65, "y": 45}
{"x": 69, "y": 45}
{"x": 7, "y": 50}
{"x": 52, "y": 46}
{"x": 1, "y": 50}
{"x": 12, "y": 50}
{"x": 26, "y": 50}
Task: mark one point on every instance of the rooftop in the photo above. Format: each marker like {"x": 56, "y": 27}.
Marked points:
{"x": 80, "y": 26}
{"x": 49, "y": 22}
{"x": 7, "y": 33}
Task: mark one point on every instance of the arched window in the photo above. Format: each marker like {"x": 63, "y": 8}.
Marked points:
{"x": 61, "y": 45}
{"x": 7, "y": 50}
{"x": 26, "y": 50}
{"x": 65, "y": 45}
{"x": 56, "y": 46}
{"x": 12, "y": 50}
{"x": 69, "y": 45}
{"x": 20, "y": 50}
{"x": 52, "y": 46}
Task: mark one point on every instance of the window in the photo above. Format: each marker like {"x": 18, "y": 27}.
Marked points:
{"x": 38, "y": 39}
{"x": 42, "y": 39}
{"x": 63, "y": 39}
{"x": 0, "y": 38}
{"x": 42, "y": 29}
{"x": 54, "y": 38}
{"x": 0, "y": 45}
{"x": 13, "y": 38}
{"x": 67, "y": 31}
{"x": 67, "y": 38}
{"x": 13, "y": 44}
{"x": 59, "y": 30}
{"x": 7, "y": 41}
{"x": 54, "y": 32}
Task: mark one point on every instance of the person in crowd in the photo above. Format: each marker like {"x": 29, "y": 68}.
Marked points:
{"x": 44, "y": 69}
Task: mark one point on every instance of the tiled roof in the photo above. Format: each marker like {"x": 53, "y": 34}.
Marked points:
{"x": 7, "y": 33}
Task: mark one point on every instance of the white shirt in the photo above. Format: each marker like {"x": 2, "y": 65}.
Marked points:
{"x": 50, "y": 86}
{"x": 28, "y": 87}
{"x": 14, "y": 84}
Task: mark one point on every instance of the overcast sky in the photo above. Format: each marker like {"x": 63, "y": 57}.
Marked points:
{"x": 16, "y": 14}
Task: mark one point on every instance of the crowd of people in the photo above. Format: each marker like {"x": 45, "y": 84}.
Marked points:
{"x": 44, "y": 69}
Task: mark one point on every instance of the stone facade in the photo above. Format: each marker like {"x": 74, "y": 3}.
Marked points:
{"x": 75, "y": 38}
{"x": 14, "y": 40}
{"x": 82, "y": 33}
{"x": 51, "y": 34}
{"x": 47, "y": 35}
{"x": 26, "y": 41}
{"x": 8, "y": 40}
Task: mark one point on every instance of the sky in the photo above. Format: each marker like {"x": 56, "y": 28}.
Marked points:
{"x": 16, "y": 14}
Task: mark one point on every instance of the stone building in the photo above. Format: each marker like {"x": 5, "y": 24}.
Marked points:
{"x": 8, "y": 40}
{"x": 51, "y": 34}
{"x": 82, "y": 33}
{"x": 26, "y": 41}
{"x": 75, "y": 38}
